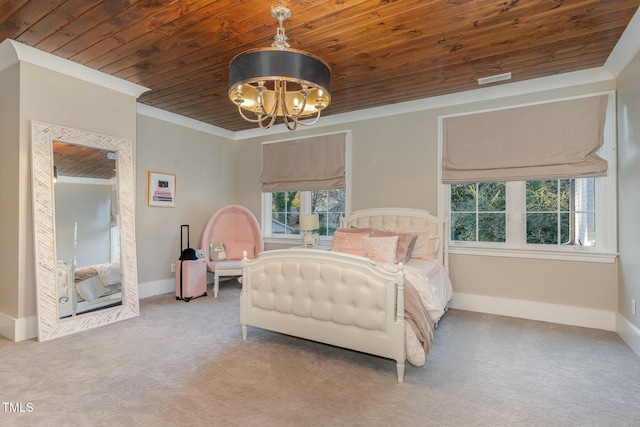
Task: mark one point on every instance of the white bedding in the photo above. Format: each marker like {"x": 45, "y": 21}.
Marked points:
{"x": 95, "y": 281}
{"x": 440, "y": 286}
{"x": 434, "y": 287}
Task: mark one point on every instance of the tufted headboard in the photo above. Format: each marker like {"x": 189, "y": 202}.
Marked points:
{"x": 403, "y": 220}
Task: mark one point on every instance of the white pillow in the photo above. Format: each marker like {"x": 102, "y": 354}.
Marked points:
{"x": 425, "y": 246}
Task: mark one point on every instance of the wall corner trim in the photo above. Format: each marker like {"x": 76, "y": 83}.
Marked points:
{"x": 627, "y": 47}
{"x": 18, "y": 329}
{"x": 629, "y": 333}
{"x": 12, "y": 52}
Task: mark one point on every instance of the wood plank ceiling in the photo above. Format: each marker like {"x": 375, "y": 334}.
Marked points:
{"x": 380, "y": 52}
{"x": 79, "y": 161}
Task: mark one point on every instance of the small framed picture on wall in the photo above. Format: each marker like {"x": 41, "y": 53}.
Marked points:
{"x": 161, "y": 190}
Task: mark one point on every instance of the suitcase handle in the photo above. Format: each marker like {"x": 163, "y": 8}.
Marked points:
{"x": 182, "y": 237}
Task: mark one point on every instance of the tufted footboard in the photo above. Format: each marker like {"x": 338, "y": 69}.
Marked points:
{"x": 329, "y": 297}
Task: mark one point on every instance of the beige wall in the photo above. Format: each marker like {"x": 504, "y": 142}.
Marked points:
{"x": 247, "y": 175}
{"x": 55, "y": 98}
{"x": 392, "y": 162}
{"x": 9, "y": 191}
{"x": 395, "y": 163}
{"x": 204, "y": 166}
{"x": 569, "y": 283}
{"x": 628, "y": 184}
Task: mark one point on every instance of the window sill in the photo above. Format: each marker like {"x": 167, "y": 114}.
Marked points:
{"x": 574, "y": 254}
{"x": 296, "y": 240}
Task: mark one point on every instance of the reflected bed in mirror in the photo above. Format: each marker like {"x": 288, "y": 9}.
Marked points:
{"x": 84, "y": 230}
{"x": 87, "y": 228}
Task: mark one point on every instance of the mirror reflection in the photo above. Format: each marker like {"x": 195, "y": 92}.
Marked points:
{"x": 87, "y": 229}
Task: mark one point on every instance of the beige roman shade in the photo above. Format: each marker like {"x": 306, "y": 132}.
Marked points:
{"x": 544, "y": 141}
{"x": 304, "y": 164}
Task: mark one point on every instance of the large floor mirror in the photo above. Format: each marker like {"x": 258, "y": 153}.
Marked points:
{"x": 84, "y": 229}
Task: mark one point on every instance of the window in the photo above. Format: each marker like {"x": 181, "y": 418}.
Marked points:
{"x": 301, "y": 176}
{"x": 478, "y": 212}
{"x": 286, "y": 207}
{"x": 556, "y": 212}
{"x": 570, "y": 219}
{"x": 562, "y": 217}
{"x": 561, "y": 212}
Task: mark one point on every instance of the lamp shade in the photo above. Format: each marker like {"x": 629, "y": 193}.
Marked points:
{"x": 269, "y": 63}
{"x": 293, "y": 67}
{"x": 309, "y": 222}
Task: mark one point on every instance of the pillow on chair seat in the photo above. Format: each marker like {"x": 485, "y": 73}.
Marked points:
{"x": 228, "y": 265}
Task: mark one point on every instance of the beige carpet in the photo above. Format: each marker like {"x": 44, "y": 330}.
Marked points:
{"x": 186, "y": 364}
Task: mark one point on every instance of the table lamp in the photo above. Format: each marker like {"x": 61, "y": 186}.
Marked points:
{"x": 308, "y": 223}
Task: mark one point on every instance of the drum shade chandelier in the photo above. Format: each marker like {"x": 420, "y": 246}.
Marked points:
{"x": 272, "y": 82}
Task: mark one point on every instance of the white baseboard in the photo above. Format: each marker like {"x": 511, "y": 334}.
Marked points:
{"x": 7, "y": 326}
{"x": 27, "y": 328}
{"x": 629, "y": 333}
{"x": 157, "y": 287}
{"x": 16, "y": 330}
{"x": 554, "y": 313}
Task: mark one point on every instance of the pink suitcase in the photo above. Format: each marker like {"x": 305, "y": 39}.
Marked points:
{"x": 194, "y": 279}
{"x": 191, "y": 272}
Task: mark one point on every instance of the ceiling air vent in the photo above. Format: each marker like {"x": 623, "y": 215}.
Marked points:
{"x": 493, "y": 79}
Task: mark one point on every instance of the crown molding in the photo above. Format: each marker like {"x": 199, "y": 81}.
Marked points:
{"x": 12, "y": 52}
{"x": 626, "y": 48}
{"x": 177, "y": 119}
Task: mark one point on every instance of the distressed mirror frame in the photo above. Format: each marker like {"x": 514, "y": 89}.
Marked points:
{"x": 49, "y": 324}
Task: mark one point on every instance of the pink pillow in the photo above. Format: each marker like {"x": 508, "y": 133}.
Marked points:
{"x": 234, "y": 250}
{"x": 351, "y": 243}
{"x": 381, "y": 249}
{"x": 404, "y": 239}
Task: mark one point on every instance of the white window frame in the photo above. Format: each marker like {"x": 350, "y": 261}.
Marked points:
{"x": 605, "y": 250}
{"x": 305, "y": 199}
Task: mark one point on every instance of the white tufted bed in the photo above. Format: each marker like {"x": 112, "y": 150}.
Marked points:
{"x": 388, "y": 309}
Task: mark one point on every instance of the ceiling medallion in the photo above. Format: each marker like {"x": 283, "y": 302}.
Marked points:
{"x": 272, "y": 82}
